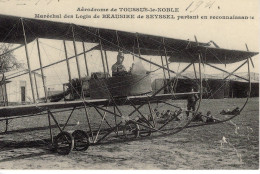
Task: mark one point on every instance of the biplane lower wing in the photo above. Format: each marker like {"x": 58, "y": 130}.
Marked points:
{"x": 11, "y": 111}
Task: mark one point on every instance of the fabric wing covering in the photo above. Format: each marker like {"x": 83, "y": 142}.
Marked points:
{"x": 11, "y": 31}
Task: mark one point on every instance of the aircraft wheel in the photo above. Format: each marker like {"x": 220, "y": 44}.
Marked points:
{"x": 64, "y": 143}
{"x": 81, "y": 140}
{"x": 131, "y": 130}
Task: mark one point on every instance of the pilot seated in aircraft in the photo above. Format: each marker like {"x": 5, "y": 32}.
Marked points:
{"x": 118, "y": 69}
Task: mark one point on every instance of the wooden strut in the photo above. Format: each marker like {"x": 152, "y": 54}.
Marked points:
{"x": 5, "y": 98}
{"x": 51, "y": 135}
{"x": 28, "y": 60}
{"x": 42, "y": 73}
{"x": 135, "y": 109}
{"x": 138, "y": 45}
{"x": 134, "y": 53}
{"x": 230, "y": 74}
{"x": 117, "y": 40}
{"x": 76, "y": 54}
{"x": 101, "y": 53}
{"x": 116, "y": 126}
{"x": 68, "y": 65}
{"x": 85, "y": 57}
{"x": 87, "y": 116}
{"x": 165, "y": 53}
{"x": 112, "y": 98}
{"x": 194, "y": 69}
{"x": 2, "y": 91}
{"x": 151, "y": 112}
{"x": 115, "y": 120}
{"x": 164, "y": 75}
{"x": 36, "y": 86}
{"x": 163, "y": 69}
{"x": 165, "y": 85}
{"x": 102, "y": 116}
{"x": 249, "y": 75}
{"x": 200, "y": 86}
{"x": 55, "y": 121}
{"x": 100, "y": 125}
{"x": 105, "y": 111}
{"x": 67, "y": 121}
{"x": 106, "y": 61}
{"x": 250, "y": 57}
{"x": 146, "y": 121}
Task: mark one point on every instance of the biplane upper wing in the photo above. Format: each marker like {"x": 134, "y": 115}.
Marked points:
{"x": 11, "y": 111}
{"x": 212, "y": 55}
{"x": 11, "y": 31}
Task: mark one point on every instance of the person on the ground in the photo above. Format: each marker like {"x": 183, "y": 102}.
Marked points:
{"x": 235, "y": 111}
{"x": 192, "y": 100}
{"x": 198, "y": 117}
{"x": 210, "y": 118}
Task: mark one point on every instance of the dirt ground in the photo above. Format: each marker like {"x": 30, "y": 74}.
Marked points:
{"x": 193, "y": 148}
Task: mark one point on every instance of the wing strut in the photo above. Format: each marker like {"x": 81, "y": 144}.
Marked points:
{"x": 101, "y": 53}
{"x": 42, "y": 73}
{"x": 28, "y": 60}
{"x": 76, "y": 53}
{"x": 67, "y": 61}
{"x": 250, "y": 57}
{"x": 165, "y": 53}
{"x": 85, "y": 57}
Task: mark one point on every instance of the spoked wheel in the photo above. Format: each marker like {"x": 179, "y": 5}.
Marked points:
{"x": 64, "y": 143}
{"x": 131, "y": 130}
{"x": 81, "y": 140}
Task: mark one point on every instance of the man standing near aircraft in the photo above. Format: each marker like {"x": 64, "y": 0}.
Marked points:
{"x": 118, "y": 69}
{"x": 192, "y": 100}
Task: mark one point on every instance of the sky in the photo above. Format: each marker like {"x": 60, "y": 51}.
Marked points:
{"x": 229, "y": 34}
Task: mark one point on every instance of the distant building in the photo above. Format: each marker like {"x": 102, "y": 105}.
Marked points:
{"x": 213, "y": 85}
{"x": 18, "y": 89}
{"x": 3, "y": 94}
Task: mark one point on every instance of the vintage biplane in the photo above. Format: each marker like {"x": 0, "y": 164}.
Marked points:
{"x": 107, "y": 95}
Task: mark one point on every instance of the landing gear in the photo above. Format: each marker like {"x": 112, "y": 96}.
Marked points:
{"x": 131, "y": 130}
{"x": 64, "y": 143}
{"x": 81, "y": 140}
